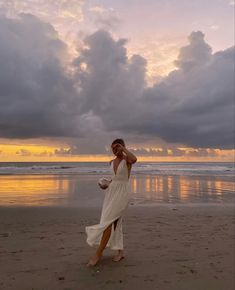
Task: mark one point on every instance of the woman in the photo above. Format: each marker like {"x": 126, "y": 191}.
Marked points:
{"x": 109, "y": 231}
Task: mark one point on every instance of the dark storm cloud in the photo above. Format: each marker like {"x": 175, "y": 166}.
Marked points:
{"x": 107, "y": 93}
{"x": 111, "y": 85}
{"x": 37, "y": 98}
{"x": 193, "y": 105}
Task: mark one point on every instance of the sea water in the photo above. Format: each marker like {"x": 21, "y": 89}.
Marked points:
{"x": 76, "y": 183}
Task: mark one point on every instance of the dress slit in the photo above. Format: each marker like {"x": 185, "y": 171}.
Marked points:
{"x": 113, "y": 210}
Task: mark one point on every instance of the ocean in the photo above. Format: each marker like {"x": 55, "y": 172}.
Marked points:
{"x": 150, "y": 168}
{"x": 74, "y": 184}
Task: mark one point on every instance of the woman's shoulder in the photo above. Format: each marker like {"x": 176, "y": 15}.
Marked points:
{"x": 110, "y": 162}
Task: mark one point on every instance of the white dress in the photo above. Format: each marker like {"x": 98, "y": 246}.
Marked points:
{"x": 114, "y": 207}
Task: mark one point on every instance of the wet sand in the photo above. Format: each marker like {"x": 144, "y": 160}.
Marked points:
{"x": 82, "y": 190}
{"x": 175, "y": 247}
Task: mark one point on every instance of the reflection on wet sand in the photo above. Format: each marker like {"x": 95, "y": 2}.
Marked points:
{"x": 83, "y": 189}
{"x": 166, "y": 188}
{"x": 32, "y": 189}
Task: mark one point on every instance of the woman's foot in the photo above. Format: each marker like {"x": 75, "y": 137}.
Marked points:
{"x": 94, "y": 260}
{"x": 119, "y": 256}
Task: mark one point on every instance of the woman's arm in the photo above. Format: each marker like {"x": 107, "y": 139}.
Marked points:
{"x": 131, "y": 158}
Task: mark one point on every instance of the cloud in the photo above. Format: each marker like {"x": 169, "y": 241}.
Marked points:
{"x": 43, "y": 154}
{"x": 214, "y": 27}
{"x": 160, "y": 152}
{"x": 160, "y": 55}
{"x": 111, "y": 83}
{"x": 37, "y": 97}
{"x": 105, "y": 18}
{"x": 66, "y": 16}
{"x": 196, "y": 54}
{"x": 95, "y": 144}
{"x": 202, "y": 152}
{"x": 23, "y": 152}
{"x": 54, "y": 11}
{"x": 107, "y": 94}
{"x": 173, "y": 151}
{"x": 63, "y": 151}
{"x": 193, "y": 105}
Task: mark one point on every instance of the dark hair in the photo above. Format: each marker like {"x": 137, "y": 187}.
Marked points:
{"x": 118, "y": 141}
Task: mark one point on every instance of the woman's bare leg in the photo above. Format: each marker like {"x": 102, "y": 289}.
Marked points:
{"x": 106, "y": 235}
{"x": 119, "y": 256}
{"x": 105, "y": 238}
{"x": 120, "y": 253}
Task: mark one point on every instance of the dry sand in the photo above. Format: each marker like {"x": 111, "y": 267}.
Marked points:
{"x": 166, "y": 247}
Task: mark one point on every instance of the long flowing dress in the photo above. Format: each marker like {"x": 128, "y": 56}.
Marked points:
{"x": 114, "y": 207}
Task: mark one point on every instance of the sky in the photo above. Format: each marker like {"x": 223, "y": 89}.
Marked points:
{"x": 77, "y": 74}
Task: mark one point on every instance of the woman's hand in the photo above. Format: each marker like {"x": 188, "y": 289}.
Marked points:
{"x": 119, "y": 147}
{"x": 130, "y": 157}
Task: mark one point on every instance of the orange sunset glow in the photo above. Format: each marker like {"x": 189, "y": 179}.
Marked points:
{"x": 37, "y": 153}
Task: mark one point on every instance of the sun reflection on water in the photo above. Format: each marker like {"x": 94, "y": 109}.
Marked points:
{"x": 74, "y": 189}
{"x": 181, "y": 188}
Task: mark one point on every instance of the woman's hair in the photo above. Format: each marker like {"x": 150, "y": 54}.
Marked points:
{"x": 118, "y": 141}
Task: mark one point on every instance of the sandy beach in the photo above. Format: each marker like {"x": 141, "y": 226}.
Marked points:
{"x": 175, "y": 247}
